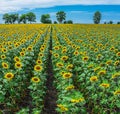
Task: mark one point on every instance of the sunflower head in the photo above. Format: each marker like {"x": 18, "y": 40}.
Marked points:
{"x": 22, "y": 53}
{"x": 117, "y": 92}
{"x": 3, "y": 56}
{"x": 18, "y": 65}
{"x": 85, "y": 58}
{"x": 105, "y": 85}
{"x": 93, "y": 79}
{"x": 38, "y": 68}
{"x": 102, "y": 72}
{"x": 118, "y": 54}
{"x": 16, "y": 59}
{"x": 4, "y": 50}
{"x": 35, "y": 79}
{"x": 64, "y": 58}
{"x": 59, "y": 64}
{"x": 5, "y": 65}
{"x": 67, "y": 75}
{"x": 9, "y": 76}
{"x": 39, "y": 61}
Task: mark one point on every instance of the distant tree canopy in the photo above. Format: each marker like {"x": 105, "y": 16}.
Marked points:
{"x": 118, "y": 22}
{"x": 55, "y": 22}
{"x": 61, "y": 16}
{"x": 12, "y": 18}
{"x": 31, "y": 17}
{"x": 45, "y": 18}
{"x": 23, "y": 18}
{"x": 97, "y": 17}
{"x": 68, "y": 22}
{"x": 110, "y": 22}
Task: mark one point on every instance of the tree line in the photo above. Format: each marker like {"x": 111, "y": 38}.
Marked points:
{"x": 45, "y": 18}
{"x": 31, "y": 17}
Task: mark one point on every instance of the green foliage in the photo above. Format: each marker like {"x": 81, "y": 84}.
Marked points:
{"x": 61, "y": 15}
{"x": 45, "y": 18}
{"x": 31, "y": 17}
{"x": 10, "y": 18}
{"x": 97, "y": 17}
{"x": 23, "y": 18}
{"x": 55, "y": 22}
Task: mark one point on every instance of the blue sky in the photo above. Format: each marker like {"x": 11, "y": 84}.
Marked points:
{"x": 80, "y": 11}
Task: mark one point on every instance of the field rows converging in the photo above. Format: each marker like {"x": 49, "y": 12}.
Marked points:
{"x": 59, "y": 69}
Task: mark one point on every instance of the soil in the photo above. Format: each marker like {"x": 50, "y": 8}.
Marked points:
{"x": 51, "y": 93}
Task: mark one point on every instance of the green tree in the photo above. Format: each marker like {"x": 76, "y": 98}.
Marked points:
{"x": 118, "y": 22}
{"x": 55, "y": 22}
{"x": 13, "y": 18}
{"x": 45, "y": 18}
{"x": 31, "y": 17}
{"x": 61, "y": 15}
{"x": 97, "y": 17}
{"x": 6, "y": 18}
{"x": 110, "y": 22}
{"x": 69, "y": 22}
{"x": 65, "y": 22}
{"x": 23, "y": 18}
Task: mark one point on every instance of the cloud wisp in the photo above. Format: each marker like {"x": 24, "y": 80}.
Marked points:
{"x": 17, "y": 5}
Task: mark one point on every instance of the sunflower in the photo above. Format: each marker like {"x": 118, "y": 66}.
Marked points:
{"x": 93, "y": 79}
{"x": 77, "y": 100}
{"x": 115, "y": 75}
{"x": 118, "y": 54}
{"x": 40, "y": 54}
{"x": 16, "y": 59}
{"x": 116, "y": 63}
{"x": 109, "y": 62}
{"x": 5, "y": 65}
{"x": 59, "y": 64}
{"x": 117, "y": 92}
{"x": 64, "y": 58}
{"x": 76, "y": 53}
{"x": 112, "y": 48}
{"x": 85, "y": 58}
{"x": 4, "y": 50}
{"x": 30, "y": 48}
{"x": 69, "y": 67}
{"x": 67, "y": 75}
{"x": 3, "y": 56}
{"x": 38, "y": 68}
{"x": 105, "y": 85}
{"x": 56, "y": 55}
{"x": 56, "y": 48}
{"x": 102, "y": 72}
{"x": 39, "y": 61}
{"x": 62, "y": 107}
{"x": 64, "y": 51}
{"x": 23, "y": 49}
{"x": 10, "y": 47}
{"x": 35, "y": 79}
{"x": 18, "y": 65}
{"x": 22, "y": 53}
{"x": 9, "y": 76}
{"x": 99, "y": 56}
{"x": 70, "y": 87}
{"x": 41, "y": 49}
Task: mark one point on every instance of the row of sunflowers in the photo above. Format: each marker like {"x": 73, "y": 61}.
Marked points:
{"x": 24, "y": 52}
{"x": 85, "y": 61}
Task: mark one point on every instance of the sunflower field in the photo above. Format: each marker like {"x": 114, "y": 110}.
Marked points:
{"x": 83, "y": 61}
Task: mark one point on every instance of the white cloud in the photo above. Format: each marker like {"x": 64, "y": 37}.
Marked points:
{"x": 16, "y": 5}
